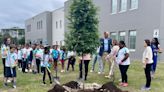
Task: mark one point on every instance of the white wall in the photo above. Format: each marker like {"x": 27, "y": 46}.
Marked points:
{"x": 58, "y": 33}
{"x": 35, "y": 33}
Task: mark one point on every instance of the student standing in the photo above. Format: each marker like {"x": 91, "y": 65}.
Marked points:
{"x": 155, "y": 48}
{"x": 19, "y": 58}
{"x": 55, "y": 55}
{"x": 10, "y": 66}
{"x": 71, "y": 60}
{"x": 124, "y": 61}
{"x": 46, "y": 65}
{"x": 147, "y": 63}
{"x": 84, "y": 60}
{"x": 62, "y": 58}
{"x": 94, "y": 60}
{"x": 4, "y": 50}
{"x": 24, "y": 59}
{"x": 38, "y": 56}
{"x": 112, "y": 58}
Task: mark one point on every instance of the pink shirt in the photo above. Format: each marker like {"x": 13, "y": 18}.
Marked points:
{"x": 86, "y": 57}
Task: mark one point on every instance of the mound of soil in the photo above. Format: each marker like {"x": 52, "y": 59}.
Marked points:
{"x": 57, "y": 88}
{"x": 86, "y": 90}
{"x": 72, "y": 84}
{"x": 111, "y": 87}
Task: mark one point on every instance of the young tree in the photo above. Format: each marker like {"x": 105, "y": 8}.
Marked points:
{"x": 83, "y": 36}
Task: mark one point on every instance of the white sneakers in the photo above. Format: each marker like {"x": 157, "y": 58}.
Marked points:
{"x": 91, "y": 71}
{"x": 14, "y": 86}
{"x": 62, "y": 71}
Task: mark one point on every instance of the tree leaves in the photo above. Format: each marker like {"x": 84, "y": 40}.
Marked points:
{"x": 82, "y": 36}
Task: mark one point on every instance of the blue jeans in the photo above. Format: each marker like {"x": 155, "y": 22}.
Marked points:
{"x": 94, "y": 62}
{"x": 101, "y": 66}
{"x": 154, "y": 65}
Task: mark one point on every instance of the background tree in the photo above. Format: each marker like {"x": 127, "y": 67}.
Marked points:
{"x": 83, "y": 36}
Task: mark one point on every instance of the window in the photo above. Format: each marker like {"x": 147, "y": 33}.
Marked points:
{"x": 114, "y": 6}
{"x": 37, "y": 25}
{"x": 56, "y": 25}
{"x": 41, "y": 24}
{"x": 113, "y": 35}
{"x": 134, "y": 4}
{"x": 122, "y": 36}
{"x": 132, "y": 39}
{"x": 123, "y": 6}
{"x": 28, "y": 28}
{"x": 60, "y": 23}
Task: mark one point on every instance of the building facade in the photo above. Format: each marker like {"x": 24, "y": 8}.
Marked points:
{"x": 39, "y": 29}
{"x": 58, "y": 26}
{"x": 130, "y": 20}
{"x": 14, "y": 32}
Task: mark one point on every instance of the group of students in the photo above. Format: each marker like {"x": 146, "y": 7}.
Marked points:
{"x": 119, "y": 56}
{"x": 37, "y": 58}
{"x": 33, "y": 58}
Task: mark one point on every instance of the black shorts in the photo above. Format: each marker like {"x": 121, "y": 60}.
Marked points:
{"x": 10, "y": 72}
{"x": 55, "y": 60}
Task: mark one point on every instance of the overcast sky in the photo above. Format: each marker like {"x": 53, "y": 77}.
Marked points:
{"x": 15, "y": 12}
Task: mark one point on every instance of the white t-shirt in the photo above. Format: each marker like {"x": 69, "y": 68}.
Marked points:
{"x": 20, "y": 54}
{"x": 121, "y": 55}
{"x": 70, "y": 53}
{"x": 28, "y": 51}
{"x": 24, "y": 53}
{"x": 148, "y": 54}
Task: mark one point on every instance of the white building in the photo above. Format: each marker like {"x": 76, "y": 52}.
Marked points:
{"x": 39, "y": 28}
{"x": 46, "y": 28}
{"x": 58, "y": 26}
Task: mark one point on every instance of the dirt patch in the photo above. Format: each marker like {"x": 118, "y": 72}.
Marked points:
{"x": 72, "y": 84}
{"x": 111, "y": 87}
{"x": 57, "y": 88}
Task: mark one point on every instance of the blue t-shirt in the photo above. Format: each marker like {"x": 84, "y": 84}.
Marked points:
{"x": 11, "y": 60}
{"x": 154, "y": 49}
{"x": 46, "y": 58}
{"x": 55, "y": 54}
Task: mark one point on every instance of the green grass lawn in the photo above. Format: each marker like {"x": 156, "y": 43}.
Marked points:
{"x": 32, "y": 83}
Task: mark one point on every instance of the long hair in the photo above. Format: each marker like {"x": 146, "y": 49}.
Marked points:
{"x": 156, "y": 42}
{"x": 5, "y": 40}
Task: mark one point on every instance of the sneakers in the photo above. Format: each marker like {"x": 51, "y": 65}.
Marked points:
{"x": 14, "y": 86}
{"x": 62, "y": 71}
{"x": 91, "y": 71}
{"x": 145, "y": 88}
{"x": 123, "y": 84}
{"x": 107, "y": 77}
{"x": 99, "y": 73}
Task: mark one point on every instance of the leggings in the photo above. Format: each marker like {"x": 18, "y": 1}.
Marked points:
{"x": 3, "y": 60}
{"x": 123, "y": 70}
{"x": 86, "y": 64}
{"x": 148, "y": 75}
{"x": 38, "y": 65}
{"x": 44, "y": 74}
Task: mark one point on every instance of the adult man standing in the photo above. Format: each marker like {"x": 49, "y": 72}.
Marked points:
{"x": 105, "y": 49}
